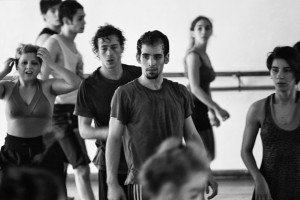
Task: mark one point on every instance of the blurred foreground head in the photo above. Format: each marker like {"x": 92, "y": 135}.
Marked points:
{"x": 30, "y": 184}
{"x": 175, "y": 171}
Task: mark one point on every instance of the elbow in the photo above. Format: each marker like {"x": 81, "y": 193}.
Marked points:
{"x": 244, "y": 153}
{"x": 82, "y": 133}
{"x": 74, "y": 85}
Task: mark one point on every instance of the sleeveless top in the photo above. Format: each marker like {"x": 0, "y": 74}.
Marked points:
{"x": 206, "y": 74}
{"x": 39, "y": 107}
{"x": 281, "y": 157}
{"x": 71, "y": 62}
{"x": 47, "y": 31}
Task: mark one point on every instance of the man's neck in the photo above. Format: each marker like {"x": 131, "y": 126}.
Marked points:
{"x": 68, "y": 35}
{"x": 113, "y": 74}
{"x": 153, "y": 84}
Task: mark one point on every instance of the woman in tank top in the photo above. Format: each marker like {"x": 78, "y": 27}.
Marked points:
{"x": 29, "y": 106}
{"x": 200, "y": 73}
{"x": 278, "y": 118}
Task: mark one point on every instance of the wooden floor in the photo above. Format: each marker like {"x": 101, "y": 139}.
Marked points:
{"x": 231, "y": 188}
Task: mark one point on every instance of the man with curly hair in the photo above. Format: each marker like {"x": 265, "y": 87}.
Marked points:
{"x": 95, "y": 94}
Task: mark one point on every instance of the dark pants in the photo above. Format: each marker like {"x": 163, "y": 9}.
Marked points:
{"x": 65, "y": 126}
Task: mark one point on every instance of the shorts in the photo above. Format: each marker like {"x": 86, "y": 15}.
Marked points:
{"x": 30, "y": 152}
{"x": 135, "y": 192}
{"x": 65, "y": 125}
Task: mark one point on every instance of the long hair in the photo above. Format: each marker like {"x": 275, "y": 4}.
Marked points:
{"x": 191, "y": 42}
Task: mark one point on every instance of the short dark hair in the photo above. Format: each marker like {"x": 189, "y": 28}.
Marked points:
{"x": 290, "y": 55}
{"x": 26, "y": 48}
{"x": 104, "y": 32}
{"x": 68, "y": 9}
{"x": 151, "y": 38}
{"x": 45, "y": 5}
{"x": 297, "y": 47}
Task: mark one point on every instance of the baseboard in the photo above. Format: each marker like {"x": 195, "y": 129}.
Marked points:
{"x": 218, "y": 174}
{"x": 231, "y": 174}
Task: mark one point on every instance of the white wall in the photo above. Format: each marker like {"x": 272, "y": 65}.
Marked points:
{"x": 244, "y": 32}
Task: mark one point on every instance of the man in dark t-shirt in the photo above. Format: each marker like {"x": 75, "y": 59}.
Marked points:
{"x": 144, "y": 113}
{"x": 95, "y": 94}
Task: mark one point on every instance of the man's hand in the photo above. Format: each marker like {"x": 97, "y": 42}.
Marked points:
{"x": 115, "y": 192}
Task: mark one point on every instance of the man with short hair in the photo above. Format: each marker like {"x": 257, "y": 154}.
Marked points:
{"x": 144, "y": 113}
{"x": 63, "y": 51}
{"x": 95, "y": 93}
{"x": 49, "y": 11}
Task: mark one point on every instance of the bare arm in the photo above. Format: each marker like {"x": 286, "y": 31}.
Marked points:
{"x": 250, "y": 132}
{"x": 87, "y": 131}
{"x": 190, "y": 133}
{"x": 69, "y": 81}
{"x": 8, "y": 64}
{"x": 53, "y": 47}
{"x": 254, "y": 115}
{"x": 42, "y": 39}
{"x": 213, "y": 118}
{"x": 194, "y": 63}
{"x": 112, "y": 154}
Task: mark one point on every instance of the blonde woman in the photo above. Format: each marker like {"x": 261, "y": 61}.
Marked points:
{"x": 29, "y": 105}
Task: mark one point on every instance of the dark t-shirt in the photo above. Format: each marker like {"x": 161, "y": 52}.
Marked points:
{"x": 93, "y": 101}
{"x": 150, "y": 116}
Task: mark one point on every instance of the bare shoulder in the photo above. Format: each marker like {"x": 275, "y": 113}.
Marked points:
{"x": 258, "y": 105}
{"x": 257, "y": 110}
{"x": 8, "y": 86}
{"x": 42, "y": 39}
{"x": 192, "y": 55}
{"x": 192, "y": 58}
{"x": 52, "y": 45}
